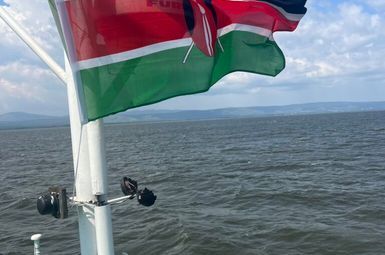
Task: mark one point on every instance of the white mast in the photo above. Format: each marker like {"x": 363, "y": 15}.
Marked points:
{"x": 95, "y": 228}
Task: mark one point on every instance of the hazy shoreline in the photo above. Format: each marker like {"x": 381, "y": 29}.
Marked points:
{"x": 22, "y": 120}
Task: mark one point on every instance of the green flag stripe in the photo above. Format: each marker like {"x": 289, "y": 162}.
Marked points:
{"x": 149, "y": 79}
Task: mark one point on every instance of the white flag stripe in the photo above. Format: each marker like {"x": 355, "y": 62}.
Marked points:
{"x": 154, "y": 48}
{"x": 246, "y": 28}
{"x": 131, "y": 54}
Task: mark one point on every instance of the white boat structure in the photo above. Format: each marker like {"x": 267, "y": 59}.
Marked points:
{"x": 90, "y": 171}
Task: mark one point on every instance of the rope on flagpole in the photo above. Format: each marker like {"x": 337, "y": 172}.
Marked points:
{"x": 77, "y": 163}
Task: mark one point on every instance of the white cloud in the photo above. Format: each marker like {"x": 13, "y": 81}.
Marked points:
{"x": 17, "y": 91}
{"x": 30, "y": 88}
{"x": 36, "y": 19}
{"x": 26, "y": 84}
{"x": 334, "y": 43}
{"x": 376, "y": 3}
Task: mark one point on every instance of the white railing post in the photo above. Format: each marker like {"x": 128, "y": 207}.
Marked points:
{"x": 36, "y": 244}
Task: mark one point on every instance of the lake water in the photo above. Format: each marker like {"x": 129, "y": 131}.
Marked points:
{"x": 281, "y": 185}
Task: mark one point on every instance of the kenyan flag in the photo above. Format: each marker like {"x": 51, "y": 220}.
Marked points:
{"x": 130, "y": 53}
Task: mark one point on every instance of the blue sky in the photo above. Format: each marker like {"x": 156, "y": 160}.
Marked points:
{"x": 336, "y": 54}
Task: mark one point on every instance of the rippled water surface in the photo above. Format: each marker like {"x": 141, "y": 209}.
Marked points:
{"x": 280, "y": 185}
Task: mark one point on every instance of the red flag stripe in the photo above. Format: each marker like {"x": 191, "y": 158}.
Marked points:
{"x": 288, "y": 15}
{"x": 255, "y": 13}
{"x": 105, "y": 27}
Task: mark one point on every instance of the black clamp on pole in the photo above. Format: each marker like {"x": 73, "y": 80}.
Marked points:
{"x": 129, "y": 187}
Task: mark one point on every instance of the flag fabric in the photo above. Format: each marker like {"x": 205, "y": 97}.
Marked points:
{"x": 126, "y": 54}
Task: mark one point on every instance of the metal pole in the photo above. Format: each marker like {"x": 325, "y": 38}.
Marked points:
{"x": 97, "y": 155}
{"x": 82, "y": 170}
{"x": 56, "y": 69}
{"x": 95, "y": 224}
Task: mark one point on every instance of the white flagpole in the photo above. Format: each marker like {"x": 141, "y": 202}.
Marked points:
{"x": 81, "y": 161}
{"x": 95, "y": 227}
{"x": 91, "y": 182}
{"x": 99, "y": 183}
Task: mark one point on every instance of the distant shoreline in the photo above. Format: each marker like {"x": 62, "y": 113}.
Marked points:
{"x": 21, "y": 120}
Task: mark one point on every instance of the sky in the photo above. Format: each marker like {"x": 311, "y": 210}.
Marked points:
{"x": 337, "y": 53}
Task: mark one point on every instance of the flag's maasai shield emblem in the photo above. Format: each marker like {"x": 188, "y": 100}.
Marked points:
{"x": 126, "y": 54}
{"x": 201, "y": 23}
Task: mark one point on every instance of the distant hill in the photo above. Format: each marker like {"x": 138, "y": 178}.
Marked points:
{"x": 26, "y": 120}
{"x": 297, "y": 109}
{"x": 29, "y": 120}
